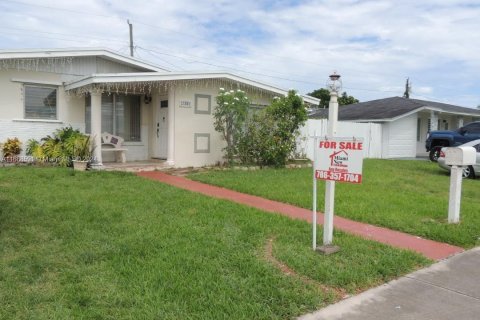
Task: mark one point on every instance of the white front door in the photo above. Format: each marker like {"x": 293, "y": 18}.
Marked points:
{"x": 161, "y": 130}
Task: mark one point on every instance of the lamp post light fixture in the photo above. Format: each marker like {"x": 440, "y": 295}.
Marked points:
{"x": 334, "y": 83}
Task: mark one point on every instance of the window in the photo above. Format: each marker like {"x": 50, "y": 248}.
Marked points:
{"x": 40, "y": 102}
{"x": 419, "y": 127}
{"x": 472, "y": 128}
{"x": 120, "y": 116}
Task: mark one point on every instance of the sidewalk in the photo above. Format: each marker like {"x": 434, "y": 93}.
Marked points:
{"x": 431, "y": 249}
{"x": 447, "y": 290}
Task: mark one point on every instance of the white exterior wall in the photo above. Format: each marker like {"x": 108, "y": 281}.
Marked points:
{"x": 70, "y": 109}
{"x": 370, "y": 132}
{"x": 188, "y": 123}
{"x": 400, "y": 138}
{"x": 421, "y": 151}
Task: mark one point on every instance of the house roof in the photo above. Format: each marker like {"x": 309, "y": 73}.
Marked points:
{"x": 176, "y": 76}
{"x": 157, "y": 73}
{"x": 389, "y": 109}
{"x": 79, "y": 52}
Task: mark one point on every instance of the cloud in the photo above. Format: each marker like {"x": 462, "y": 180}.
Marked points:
{"x": 374, "y": 45}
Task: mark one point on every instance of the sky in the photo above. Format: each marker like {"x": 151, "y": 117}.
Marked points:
{"x": 375, "y": 45}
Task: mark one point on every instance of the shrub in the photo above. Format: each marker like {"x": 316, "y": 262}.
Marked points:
{"x": 229, "y": 119}
{"x": 270, "y": 136}
{"x": 63, "y": 146}
{"x": 11, "y": 147}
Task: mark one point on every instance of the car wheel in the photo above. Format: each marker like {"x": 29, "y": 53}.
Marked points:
{"x": 468, "y": 172}
{"x": 434, "y": 154}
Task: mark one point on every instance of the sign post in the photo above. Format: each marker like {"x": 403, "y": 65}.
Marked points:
{"x": 339, "y": 159}
{"x": 314, "y": 212}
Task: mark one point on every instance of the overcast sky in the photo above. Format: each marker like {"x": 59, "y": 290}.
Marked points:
{"x": 374, "y": 45}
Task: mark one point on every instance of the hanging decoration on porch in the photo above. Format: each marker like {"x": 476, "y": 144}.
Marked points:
{"x": 162, "y": 86}
{"x": 60, "y": 64}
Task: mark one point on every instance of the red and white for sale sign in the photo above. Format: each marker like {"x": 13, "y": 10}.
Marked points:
{"x": 339, "y": 159}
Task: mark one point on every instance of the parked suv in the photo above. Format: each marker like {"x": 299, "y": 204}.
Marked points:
{"x": 436, "y": 140}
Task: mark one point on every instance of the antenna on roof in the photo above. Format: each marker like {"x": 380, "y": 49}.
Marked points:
{"x": 408, "y": 89}
{"x": 130, "y": 27}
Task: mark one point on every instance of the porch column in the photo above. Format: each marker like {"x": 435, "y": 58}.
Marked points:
{"x": 96, "y": 128}
{"x": 433, "y": 121}
{"x": 460, "y": 122}
{"x": 171, "y": 126}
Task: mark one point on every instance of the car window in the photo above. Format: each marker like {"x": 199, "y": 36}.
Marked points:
{"x": 470, "y": 129}
{"x": 473, "y": 128}
{"x": 477, "y": 147}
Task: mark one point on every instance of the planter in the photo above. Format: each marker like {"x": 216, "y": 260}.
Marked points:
{"x": 80, "y": 165}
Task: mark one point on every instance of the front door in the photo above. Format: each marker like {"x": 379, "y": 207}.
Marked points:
{"x": 161, "y": 130}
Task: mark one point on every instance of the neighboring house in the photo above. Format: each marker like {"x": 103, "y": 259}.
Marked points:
{"x": 405, "y": 122}
{"x": 160, "y": 114}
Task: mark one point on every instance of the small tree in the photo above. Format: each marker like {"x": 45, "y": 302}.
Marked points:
{"x": 324, "y": 96}
{"x": 345, "y": 99}
{"x": 270, "y": 137}
{"x": 229, "y": 119}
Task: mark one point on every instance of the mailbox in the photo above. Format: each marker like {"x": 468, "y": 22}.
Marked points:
{"x": 460, "y": 156}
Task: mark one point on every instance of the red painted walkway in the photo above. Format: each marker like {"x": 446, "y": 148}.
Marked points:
{"x": 431, "y": 249}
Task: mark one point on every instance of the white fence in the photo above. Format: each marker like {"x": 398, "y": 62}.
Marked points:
{"x": 370, "y": 132}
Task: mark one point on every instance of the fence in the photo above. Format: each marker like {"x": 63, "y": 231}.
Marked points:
{"x": 370, "y": 132}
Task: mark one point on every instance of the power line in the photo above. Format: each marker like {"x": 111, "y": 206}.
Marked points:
{"x": 60, "y": 9}
{"x": 176, "y": 56}
{"x": 178, "y": 32}
{"x": 44, "y": 37}
{"x": 158, "y": 57}
{"x": 198, "y": 59}
{"x": 236, "y": 69}
{"x": 67, "y": 34}
{"x": 262, "y": 74}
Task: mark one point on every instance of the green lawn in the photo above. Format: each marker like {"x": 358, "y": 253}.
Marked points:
{"x": 410, "y": 196}
{"x": 101, "y": 245}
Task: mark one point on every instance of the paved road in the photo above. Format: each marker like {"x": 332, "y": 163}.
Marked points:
{"x": 449, "y": 289}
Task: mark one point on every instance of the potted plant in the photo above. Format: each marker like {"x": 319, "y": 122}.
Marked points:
{"x": 11, "y": 149}
{"x": 82, "y": 151}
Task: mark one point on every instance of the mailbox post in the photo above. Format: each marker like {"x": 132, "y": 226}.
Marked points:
{"x": 457, "y": 157}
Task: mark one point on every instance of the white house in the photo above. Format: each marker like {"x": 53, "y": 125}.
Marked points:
{"x": 404, "y": 122}
{"x": 160, "y": 114}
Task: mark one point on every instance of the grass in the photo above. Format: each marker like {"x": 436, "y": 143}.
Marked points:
{"x": 101, "y": 245}
{"x": 410, "y": 196}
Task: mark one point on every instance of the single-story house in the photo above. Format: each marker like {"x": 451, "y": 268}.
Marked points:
{"x": 405, "y": 122}
{"x": 160, "y": 114}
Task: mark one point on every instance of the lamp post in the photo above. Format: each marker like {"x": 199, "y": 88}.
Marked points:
{"x": 334, "y": 84}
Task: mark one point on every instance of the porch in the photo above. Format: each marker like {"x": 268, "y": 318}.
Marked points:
{"x": 137, "y": 166}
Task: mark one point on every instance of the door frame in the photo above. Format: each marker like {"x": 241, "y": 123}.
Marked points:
{"x": 157, "y": 148}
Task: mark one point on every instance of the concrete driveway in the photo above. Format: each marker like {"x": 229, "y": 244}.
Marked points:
{"x": 449, "y": 289}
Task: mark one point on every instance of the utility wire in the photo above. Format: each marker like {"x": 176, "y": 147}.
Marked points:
{"x": 45, "y": 37}
{"x": 182, "y": 33}
{"x": 67, "y": 34}
{"x": 85, "y": 13}
{"x": 260, "y": 74}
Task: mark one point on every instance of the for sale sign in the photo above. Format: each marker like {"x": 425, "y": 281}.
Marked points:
{"x": 339, "y": 159}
